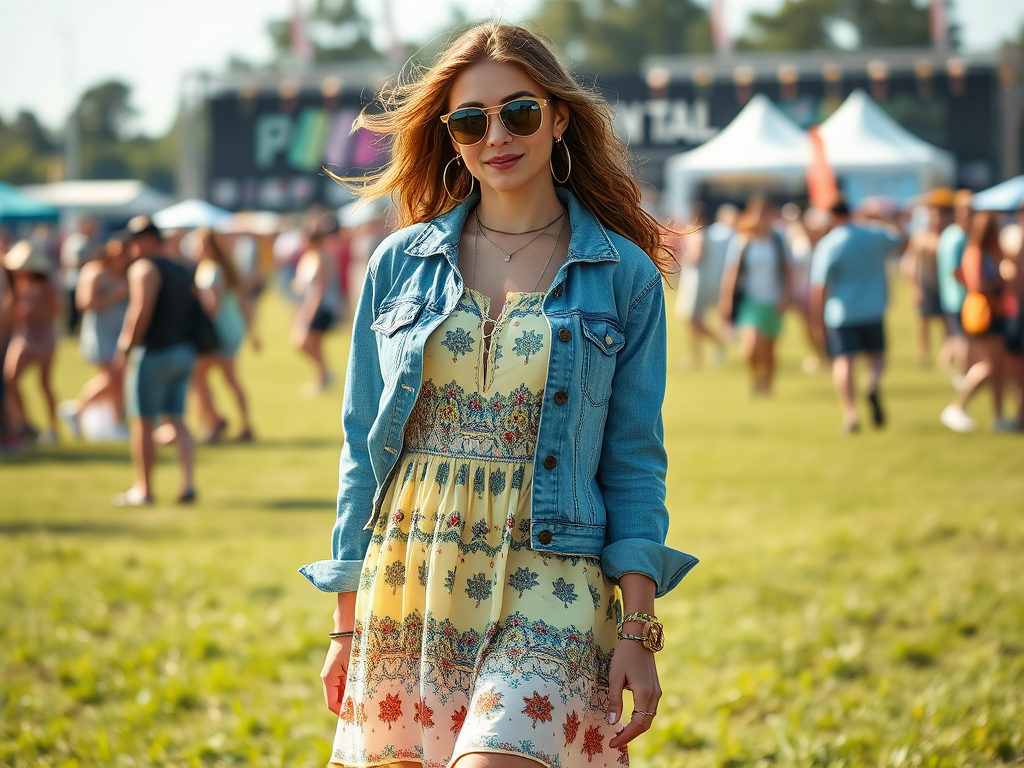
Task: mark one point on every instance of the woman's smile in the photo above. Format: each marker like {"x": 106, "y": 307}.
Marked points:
{"x": 502, "y": 162}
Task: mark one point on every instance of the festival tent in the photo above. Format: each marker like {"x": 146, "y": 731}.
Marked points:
{"x": 16, "y": 206}
{"x": 106, "y": 199}
{"x": 1006, "y": 196}
{"x": 873, "y": 155}
{"x": 760, "y": 146}
{"x": 190, "y": 214}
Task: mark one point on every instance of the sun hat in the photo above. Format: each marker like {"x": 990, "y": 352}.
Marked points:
{"x": 24, "y": 256}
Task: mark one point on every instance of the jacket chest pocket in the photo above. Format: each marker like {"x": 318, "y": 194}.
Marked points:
{"x": 393, "y": 327}
{"x": 603, "y": 340}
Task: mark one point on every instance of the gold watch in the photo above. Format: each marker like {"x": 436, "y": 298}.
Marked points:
{"x": 653, "y": 638}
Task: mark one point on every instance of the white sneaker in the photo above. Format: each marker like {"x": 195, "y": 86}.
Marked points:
{"x": 47, "y": 438}
{"x": 955, "y": 418}
{"x": 68, "y": 412}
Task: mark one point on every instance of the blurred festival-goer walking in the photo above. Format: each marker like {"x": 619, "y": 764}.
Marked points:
{"x": 317, "y": 282}
{"x": 77, "y": 250}
{"x": 755, "y": 290}
{"x": 223, "y": 296}
{"x": 920, "y": 265}
{"x": 1012, "y": 269}
{"x": 33, "y": 337}
{"x": 702, "y": 260}
{"x": 156, "y": 352}
{"x": 102, "y": 298}
{"x": 948, "y": 256}
{"x": 983, "y": 317}
{"x": 804, "y": 231}
{"x": 6, "y": 321}
{"x": 849, "y": 295}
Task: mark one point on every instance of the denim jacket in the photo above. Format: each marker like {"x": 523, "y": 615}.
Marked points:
{"x": 600, "y": 463}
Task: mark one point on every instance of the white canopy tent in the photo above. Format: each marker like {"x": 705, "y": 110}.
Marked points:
{"x": 190, "y": 214}
{"x": 760, "y": 146}
{"x": 872, "y": 154}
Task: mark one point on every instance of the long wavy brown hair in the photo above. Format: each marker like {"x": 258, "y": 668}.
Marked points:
{"x": 420, "y": 148}
{"x": 210, "y": 248}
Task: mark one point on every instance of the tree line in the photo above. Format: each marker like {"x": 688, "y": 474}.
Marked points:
{"x": 598, "y": 36}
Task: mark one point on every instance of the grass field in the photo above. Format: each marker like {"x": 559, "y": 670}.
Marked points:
{"x": 860, "y": 600}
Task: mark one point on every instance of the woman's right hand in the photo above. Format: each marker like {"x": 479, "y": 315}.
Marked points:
{"x": 335, "y": 673}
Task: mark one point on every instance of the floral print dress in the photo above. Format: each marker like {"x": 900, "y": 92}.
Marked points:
{"x": 466, "y": 640}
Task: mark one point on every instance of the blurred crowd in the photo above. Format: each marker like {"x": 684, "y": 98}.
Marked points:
{"x": 158, "y": 314}
{"x": 743, "y": 271}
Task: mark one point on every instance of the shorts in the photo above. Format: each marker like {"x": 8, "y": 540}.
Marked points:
{"x": 155, "y": 382}
{"x": 761, "y": 315}
{"x": 1014, "y": 330}
{"x": 323, "y": 320}
{"x": 931, "y": 304}
{"x": 954, "y": 324}
{"x": 867, "y": 338}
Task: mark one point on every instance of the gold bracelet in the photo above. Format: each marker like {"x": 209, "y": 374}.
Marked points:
{"x": 336, "y": 635}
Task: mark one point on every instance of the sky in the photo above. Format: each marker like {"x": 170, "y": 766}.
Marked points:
{"x": 53, "y": 50}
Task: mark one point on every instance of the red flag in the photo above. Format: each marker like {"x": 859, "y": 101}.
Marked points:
{"x": 822, "y": 191}
{"x": 719, "y": 30}
{"x": 302, "y": 48}
{"x": 940, "y": 27}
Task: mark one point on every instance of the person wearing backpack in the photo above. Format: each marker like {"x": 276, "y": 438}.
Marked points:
{"x": 755, "y": 290}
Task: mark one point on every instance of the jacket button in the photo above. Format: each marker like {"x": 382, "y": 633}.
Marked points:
{"x": 565, "y": 334}
{"x": 550, "y": 462}
{"x": 557, "y": 293}
{"x": 561, "y": 397}
{"x": 544, "y": 537}
{"x": 608, "y": 340}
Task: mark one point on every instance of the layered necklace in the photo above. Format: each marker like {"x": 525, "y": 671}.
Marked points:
{"x": 509, "y": 254}
{"x": 508, "y": 257}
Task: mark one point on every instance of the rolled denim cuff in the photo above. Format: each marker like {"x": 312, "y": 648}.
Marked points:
{"x": 334, "y": 575}
{"x": 666, "y": 566}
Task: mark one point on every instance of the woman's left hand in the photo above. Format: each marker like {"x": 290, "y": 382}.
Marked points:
{"x": 632, "y": 668}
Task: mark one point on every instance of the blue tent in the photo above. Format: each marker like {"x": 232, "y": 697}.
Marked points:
{"x": 1007, "y": 196}
{"x": 16, "y": 206}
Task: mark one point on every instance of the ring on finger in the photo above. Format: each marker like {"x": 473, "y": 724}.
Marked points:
{"x": 641, "y": 712}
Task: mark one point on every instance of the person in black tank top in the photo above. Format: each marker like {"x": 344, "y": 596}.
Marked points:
{"x": 156, "y": 349}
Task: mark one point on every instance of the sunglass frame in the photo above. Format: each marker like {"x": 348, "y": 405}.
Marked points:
{"x": 488, "y": 111}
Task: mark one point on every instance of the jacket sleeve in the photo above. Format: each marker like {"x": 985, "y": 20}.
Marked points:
{"x": 633, "y": 462}
{"x": 357, "y": 484}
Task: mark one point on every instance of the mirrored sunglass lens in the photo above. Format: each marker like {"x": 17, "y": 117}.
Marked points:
{"x": 468, "y": 126}
{"x": 521, "y": 117}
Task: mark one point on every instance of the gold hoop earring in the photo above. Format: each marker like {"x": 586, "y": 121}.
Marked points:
{"x": 568, "y": 161}
{"x": 444, "y": 179}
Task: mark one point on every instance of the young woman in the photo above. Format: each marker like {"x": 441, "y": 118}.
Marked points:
{"x": 33, "y": 336}
{"x": 320, "y": 308}
{"x": 981, "y": 274}
{"x": 502, "y": 495}
{"x": 702, "y": 255}
{"x": 102, "y": 298}
{"x": 755, "y": 290}
{"x": 224, "y": 298}
{"x": 921, "y": 267}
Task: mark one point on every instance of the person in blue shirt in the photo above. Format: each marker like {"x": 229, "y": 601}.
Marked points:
{"x": 849, "y": 295}
{"x": 501, "y": 520}
{"x": 948, "y": 256}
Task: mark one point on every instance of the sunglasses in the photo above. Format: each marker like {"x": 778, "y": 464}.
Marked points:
{"x": 521, "y": 117}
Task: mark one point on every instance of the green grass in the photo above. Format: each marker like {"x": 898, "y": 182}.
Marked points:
{"x": 860, "y": 600}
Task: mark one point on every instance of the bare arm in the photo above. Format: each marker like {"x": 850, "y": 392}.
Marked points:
{"x": 143, "y": 286}
{"x": 334, "y": 674}
{"x": 633, "y": 665}
{"x": 91, "y": 295}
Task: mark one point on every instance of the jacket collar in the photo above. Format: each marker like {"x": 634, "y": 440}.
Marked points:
{"x": 589, "y": 242}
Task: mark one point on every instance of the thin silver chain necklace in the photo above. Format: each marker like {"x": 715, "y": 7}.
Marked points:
{"x": 508, "y": 255}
